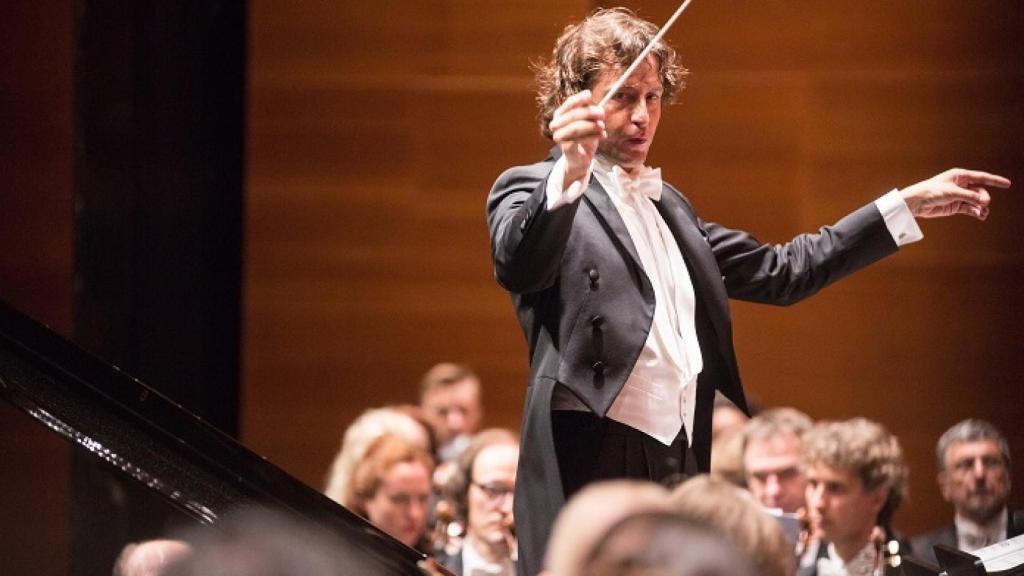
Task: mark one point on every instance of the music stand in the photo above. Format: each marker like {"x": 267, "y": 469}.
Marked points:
{"x": 913, "y": 567}
{"x": 958, "y": 563}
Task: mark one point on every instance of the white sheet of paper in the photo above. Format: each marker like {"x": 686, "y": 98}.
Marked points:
{"x": 1002, "y": 555}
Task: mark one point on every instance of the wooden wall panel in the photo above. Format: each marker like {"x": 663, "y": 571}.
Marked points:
{"x": 36, "y": 207}
{"x": 376, "y": 131}
{"x": 374, "y": 134}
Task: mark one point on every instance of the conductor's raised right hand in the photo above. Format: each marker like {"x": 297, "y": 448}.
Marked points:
{"x": 577, "y": 128}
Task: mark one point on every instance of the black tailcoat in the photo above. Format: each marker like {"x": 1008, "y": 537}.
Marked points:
{"x": 586, "y": 307}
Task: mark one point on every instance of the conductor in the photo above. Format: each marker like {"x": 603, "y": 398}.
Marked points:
{"x": 622, "y": 290}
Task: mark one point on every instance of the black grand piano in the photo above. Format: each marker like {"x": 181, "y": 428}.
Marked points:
{"x": 179, "y": 461}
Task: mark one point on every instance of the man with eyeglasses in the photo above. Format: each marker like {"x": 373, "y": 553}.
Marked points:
{"x": 974, "y": 476}
{"x": 485, "y": 481}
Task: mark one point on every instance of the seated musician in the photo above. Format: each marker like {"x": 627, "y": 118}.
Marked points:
{"x": 974, "y": 476}
{"x": 482, "y": 492}
{"x": 856, "y": 479}
{"x": 391, "y": 488}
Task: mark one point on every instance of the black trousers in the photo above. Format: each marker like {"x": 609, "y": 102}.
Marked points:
{"x": 590, "y": 448}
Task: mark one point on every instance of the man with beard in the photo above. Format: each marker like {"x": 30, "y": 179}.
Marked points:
{"x": 974, "y": 476}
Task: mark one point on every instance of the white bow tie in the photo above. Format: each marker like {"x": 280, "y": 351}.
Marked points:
{"x": 646, "y": 182}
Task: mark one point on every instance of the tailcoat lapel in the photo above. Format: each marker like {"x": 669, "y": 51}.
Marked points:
{"x": 697, "y": 253}
{"x": 601, "y": 203}
{"x": 707, "y": 281}
{"x": 599, "y": 200}
{"x": 694, "y": 245}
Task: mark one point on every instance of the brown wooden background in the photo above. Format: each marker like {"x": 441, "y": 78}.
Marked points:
{"x": 376, "y": 129}
{"x": 36, "y": 136}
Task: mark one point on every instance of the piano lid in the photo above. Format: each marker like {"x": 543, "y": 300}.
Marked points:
{"x": 188, "y": 463}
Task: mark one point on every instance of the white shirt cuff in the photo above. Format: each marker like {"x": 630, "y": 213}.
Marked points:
{"x": 898, "y": 218}
{"x": 557, "y": 194}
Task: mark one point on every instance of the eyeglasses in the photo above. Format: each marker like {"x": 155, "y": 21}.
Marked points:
{"x": 495, "y": 490}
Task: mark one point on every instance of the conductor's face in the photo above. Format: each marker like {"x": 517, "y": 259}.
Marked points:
{"x": 632, "y": 114}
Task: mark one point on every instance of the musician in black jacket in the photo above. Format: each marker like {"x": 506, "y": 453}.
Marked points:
{"x": 974, "y": 476}
{"x": 482, "y": 492}
{"x": 856, "y": 479}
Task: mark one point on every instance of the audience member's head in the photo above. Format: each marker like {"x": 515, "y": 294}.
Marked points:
{"x": 727, "y": 440}
{"x": 856, "y": 479}
{"x": 726, "y": 418}
{"x": 254, "y": 542}
{"x": 653, "y": 543}
{"x": 151, "y": 557}
{"x": 771, "y": 458}
{"x": 589, "y": 514}
{"x": 450, "y": 396}
{"x": 368, "y": 427}
{"x": 415, "y": 411}
{"x": 391, "y": 488}
{"x": 483, "y": 492}
{"x": 974, "y": 470}
{"x": 734, "y": 512}
{"x": 727, "y": 458}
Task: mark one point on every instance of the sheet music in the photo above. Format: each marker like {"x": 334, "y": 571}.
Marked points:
{"x": 789, "y": 522}
{"x": 1002, "y": 555}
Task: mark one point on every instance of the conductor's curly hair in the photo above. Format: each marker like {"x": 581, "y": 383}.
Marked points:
{"x": 608, "y": 38}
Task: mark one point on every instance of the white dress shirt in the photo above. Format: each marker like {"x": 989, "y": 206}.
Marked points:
{"x": 972, "y": 536}
{"x": 863, "y": 564}
{"x": 659, "y": 396}
{"x": 474, "y": 564}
